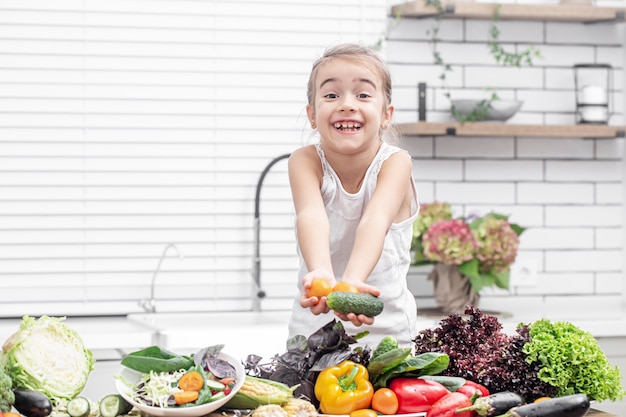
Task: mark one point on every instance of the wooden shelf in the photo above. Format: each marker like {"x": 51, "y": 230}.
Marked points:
{"x": 543, "y": 12}
{"x": 505, "y": 129}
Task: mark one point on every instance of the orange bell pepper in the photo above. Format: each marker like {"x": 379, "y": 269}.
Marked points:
{"x": 344, "y": 388}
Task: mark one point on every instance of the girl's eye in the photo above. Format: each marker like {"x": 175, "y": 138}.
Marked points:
{"x": 363, "y": 95}
{"x": 331, "y": 95}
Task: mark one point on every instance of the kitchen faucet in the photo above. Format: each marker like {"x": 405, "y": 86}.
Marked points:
{"x": 149, "y": 305}
{"x": 256, "y": 269}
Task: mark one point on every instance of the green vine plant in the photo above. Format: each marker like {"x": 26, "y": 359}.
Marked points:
{"x": 501, "y": 56}
{"x": 391, "y": 24}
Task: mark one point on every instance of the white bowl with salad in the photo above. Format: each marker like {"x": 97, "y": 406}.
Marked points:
{"x": 166, "y": 384}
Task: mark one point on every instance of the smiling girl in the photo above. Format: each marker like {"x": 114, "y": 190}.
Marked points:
{"x": 354, "y": 197}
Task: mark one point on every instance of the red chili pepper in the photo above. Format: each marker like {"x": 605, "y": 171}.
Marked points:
{"x": 447, "y": 406}
{"x": 416, "y": 395}
{"x": 483, "y": 389}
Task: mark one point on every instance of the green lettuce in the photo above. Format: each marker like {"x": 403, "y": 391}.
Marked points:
{"x": 571, "y": 360}
{"x": 48, "y": 356}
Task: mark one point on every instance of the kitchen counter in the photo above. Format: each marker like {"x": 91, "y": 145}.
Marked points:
{"x": 110, "y": 338}
{"x": 596, "y": 413}
{"x": 110, "y": 334}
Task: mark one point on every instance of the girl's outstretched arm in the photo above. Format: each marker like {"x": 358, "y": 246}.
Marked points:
{"x": 312, "y": 226}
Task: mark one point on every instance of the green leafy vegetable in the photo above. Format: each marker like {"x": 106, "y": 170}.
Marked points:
{"x": 306, "y": 357}
{"x": 452, "y": 383}
{"x": 154, "y": 358}
{"x": 48, "y": 356}
{"x": 429, "y": 363}
{"x": 386, "y": 361}
{"x": 7, "y": 398}
{"x": 386, "y": 344}
{"x": 571, "y": 360}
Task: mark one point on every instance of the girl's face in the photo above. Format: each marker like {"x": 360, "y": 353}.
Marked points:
{"x": 349, "y": 108}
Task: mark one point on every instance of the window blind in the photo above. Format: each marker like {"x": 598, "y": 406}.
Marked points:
{"x": 127, "y": 126}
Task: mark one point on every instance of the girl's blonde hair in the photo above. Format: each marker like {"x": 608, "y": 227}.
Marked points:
{"x": 353, "y": 52}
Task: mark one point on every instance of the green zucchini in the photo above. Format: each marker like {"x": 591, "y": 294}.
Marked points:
{"x": 113, "y": 405}
{"x": 353, "y": 302}
{"x": 214, "y": 385}
{"x": 78, "y": 407}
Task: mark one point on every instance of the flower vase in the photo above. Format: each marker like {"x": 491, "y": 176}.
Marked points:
{"x": 452, "y": 290}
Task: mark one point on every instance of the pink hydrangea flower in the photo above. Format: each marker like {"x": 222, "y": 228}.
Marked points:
{"x": 497, "y": 245}
{"x": 450, "y": 242}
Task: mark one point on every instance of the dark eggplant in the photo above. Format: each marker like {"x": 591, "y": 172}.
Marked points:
{"x": 575, "y": 405}
{"x": 495, "y": 404}
{"x": 32, "y": 403}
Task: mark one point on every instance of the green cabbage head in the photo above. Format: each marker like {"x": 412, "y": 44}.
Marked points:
{"x": 48, "y": 356}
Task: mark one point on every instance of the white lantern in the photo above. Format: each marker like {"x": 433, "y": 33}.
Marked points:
{"x": 593, "y": 90}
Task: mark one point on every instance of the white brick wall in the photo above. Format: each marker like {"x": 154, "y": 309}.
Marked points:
{"x": 568, "y": 192}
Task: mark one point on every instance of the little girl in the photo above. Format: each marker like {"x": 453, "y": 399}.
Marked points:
{"x": 354, "y": 198}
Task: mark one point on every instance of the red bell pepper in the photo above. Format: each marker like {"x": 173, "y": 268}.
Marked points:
{"x": 447, "y": 406}
{"x": 484, "y": 392}
{"x": 469, "y": 391}
{"x": 472, "y": 390}
{"x": 416, "y": 395}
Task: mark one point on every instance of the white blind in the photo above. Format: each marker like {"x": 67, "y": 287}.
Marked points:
{"x": 129, "y": 125}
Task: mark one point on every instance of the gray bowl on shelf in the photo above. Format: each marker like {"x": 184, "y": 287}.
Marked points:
{"x": 501, "y": 110}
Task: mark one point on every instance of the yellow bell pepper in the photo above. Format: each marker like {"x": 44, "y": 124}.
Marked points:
{"x": 344, "y": 388}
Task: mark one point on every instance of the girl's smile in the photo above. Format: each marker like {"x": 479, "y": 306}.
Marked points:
{"x": 346, "y": 126}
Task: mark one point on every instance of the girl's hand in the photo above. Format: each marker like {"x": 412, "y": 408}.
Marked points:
{"x": 316, "y": 304}
{"x": 360, "y": 319}
{"x": 357, "y": 320}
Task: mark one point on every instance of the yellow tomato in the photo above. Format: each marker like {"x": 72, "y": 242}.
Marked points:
{"x": 319, "y": 288}
{"x": 342, "y": 286}
{"x": 364, "y": 412}
{"x": 385, "y": 401}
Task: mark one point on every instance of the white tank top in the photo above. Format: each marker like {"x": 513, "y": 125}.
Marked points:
{"x": 399, "y": 316}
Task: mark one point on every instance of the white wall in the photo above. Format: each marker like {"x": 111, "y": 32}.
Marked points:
{"x": 568, "y": 192}
{"x": 128, "y": 125}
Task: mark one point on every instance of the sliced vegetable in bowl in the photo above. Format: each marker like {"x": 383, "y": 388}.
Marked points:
{"x": 163, "y": 394}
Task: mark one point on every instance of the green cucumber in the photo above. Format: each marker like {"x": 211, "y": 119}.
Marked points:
{"x": 113, "y": 405}
{"x": 78, "y": 407}
{"x": 353, "y": 302}
{"x": 214, "y": 385}
{"x": 217, "y": 396}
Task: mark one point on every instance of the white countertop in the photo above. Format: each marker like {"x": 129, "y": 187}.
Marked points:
{"x": 110, "y": 337}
